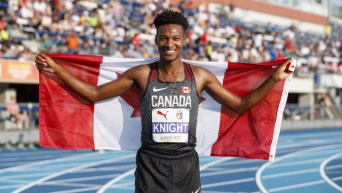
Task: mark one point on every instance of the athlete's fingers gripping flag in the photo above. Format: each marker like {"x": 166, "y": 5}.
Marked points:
{"x": 68, "y": 121}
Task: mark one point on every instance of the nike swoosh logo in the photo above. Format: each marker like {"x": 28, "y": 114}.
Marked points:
{"x": 158, "y": 89}
{"x": 197, "y": 190}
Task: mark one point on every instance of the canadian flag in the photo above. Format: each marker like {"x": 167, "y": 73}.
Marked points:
{"x": 68, "y": 121}
{"x": 185, "y": 89}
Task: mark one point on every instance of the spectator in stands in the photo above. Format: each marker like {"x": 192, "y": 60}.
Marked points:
{"x": 93, "y": 19}
{"x": 41, "y": 6}
{"x": 4, "y": 34}
{"x": 46, "y": 43}
{"x": 85, "y": 49}
{"x": 134, "y": 52}
{"x": 136, "y": 40}
{"x": 231, "y": 10}
{"x": 26, "y": 55}
{"x": 72, "y": 41}
{"x": 118, "y": 53}
{"x": 8, "y": 52}
{"x": 2, "y": 21}
{"x": 20, "y": 119}
{"x": 208, "y": 50}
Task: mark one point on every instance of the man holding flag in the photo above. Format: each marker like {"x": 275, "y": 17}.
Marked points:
{"x": 170, "y": 92}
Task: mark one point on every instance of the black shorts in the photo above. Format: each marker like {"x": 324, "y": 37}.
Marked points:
{"x": 155, "y": 174}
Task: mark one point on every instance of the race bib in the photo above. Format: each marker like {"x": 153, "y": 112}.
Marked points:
{"x": 170, "y": 125}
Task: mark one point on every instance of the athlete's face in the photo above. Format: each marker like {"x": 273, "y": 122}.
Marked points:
{"x": 170, "y": 40}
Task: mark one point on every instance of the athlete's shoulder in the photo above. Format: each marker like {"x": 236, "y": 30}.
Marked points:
{"x": 139, "y": 71}
{"x": 199, "y": 70}
{"x": 142, "y": 67}
{"x": 202, "y": 76}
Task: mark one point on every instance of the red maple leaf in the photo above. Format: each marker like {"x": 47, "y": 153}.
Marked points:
{"x": 132, "y": 98}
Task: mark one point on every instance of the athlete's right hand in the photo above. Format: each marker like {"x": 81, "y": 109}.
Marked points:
{"x": 45, "y": 63}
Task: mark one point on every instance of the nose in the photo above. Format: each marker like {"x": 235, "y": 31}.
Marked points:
{"x": 169, "y": 43}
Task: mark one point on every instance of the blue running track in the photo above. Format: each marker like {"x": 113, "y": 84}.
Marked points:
{"x": 307, "y": 162}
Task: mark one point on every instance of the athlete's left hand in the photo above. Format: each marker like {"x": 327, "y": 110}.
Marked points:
{"x": 282, "y": 73}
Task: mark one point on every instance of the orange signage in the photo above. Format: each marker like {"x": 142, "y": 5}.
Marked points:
{"x": 14, "y": 71}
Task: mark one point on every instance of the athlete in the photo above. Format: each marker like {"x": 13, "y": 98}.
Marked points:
{"x": 170, "y": 94}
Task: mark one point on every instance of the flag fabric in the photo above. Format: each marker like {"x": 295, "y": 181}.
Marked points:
{"x": 68, "y": 121}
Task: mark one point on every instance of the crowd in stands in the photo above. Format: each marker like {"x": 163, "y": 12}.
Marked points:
{"x": 123, "y": 28}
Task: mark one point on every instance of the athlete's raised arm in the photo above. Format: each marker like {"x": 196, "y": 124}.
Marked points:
{"x": 87, "y": 91}
{"x": 205, "y": 80}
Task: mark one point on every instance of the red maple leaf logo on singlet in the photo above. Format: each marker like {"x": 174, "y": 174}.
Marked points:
{"x": 132, "y": 98}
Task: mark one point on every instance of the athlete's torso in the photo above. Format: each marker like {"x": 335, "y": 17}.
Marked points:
{"x": 169, "y": 120}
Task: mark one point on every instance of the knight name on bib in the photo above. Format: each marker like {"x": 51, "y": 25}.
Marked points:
{"x": 170, "y": 125}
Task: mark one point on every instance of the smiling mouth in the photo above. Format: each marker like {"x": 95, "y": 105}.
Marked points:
{"x": 169, "y": 52}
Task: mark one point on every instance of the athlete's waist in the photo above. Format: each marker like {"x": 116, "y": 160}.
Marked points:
{"x": 167, "y": 150}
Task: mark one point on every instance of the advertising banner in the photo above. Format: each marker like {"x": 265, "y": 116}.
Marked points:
{"x": 14, "y": 71}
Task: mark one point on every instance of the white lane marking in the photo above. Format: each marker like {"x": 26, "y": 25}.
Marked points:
{"x": 229, "y": 171}
{"x": 14, "y": 181}
{"x": 297, "y": 186}
{"x": 124, "y": 185}
{"x": 113, "y": 181}
{"x": 26, "y": 175}
{"x": 295, "y": 163}
{"x": 10, "y": 186}
{"x": 70, "y": 170}
{"x": 37, "y": 153}
{"x": 78, "y": 185}
{"x": 212, "y": 163}
{"x": 70, "y": 180}
{"x": 337, "y": 166}
{"x": 290, "y": 173}
{"x": 77, "y": 190}
{"x": 228, "y": 182}
{"x": 318, "y": 135}
{"x": 324, "y": 175}
{"x": 30, "y": 165}
{"x": 30, "y": 159}
{"x": 112, "y": 168}
{"x": 268, "y": 164}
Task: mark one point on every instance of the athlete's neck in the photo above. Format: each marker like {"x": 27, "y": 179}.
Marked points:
{"x": 170, "y": 68}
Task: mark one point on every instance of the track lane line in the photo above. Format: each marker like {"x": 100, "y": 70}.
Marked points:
{"x": 324, "y": 175}
{"x": 113, "y": 181}
{"x": 268, "y": 164}
{"x": 69, "y": 171}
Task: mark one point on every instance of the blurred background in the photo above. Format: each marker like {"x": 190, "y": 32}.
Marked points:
{"x": 248, "y": 31}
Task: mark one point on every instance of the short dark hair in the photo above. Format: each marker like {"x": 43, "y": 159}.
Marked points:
{"x": 171, "y": 17}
